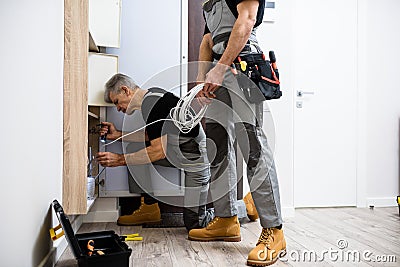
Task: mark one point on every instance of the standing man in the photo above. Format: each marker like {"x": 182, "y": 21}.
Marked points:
{"x": 231, "y": 32}
{"x": 167, "y": 147}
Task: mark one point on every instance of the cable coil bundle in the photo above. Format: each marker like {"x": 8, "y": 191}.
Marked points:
{"x": 183, "y": 115}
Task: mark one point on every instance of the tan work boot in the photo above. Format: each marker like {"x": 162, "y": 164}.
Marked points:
{"x": 219, "y": 229}
{"x": 250, "y": 207}
{"x": 270, "y": 247}
{"x": 145, "y": 214}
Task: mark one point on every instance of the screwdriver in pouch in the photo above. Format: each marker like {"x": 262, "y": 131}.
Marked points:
{"x": 272, "y": 59}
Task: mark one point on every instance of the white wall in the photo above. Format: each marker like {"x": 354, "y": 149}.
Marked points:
{"x": 378, "y": 102}
{"x": 380, "y": 97}
{"x": 31, "y": 68}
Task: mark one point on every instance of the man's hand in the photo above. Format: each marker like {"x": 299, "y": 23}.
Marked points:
{"x": 109, "y": 129}
{"x": 213, "y": 81}
{"x": 108, "y": 159}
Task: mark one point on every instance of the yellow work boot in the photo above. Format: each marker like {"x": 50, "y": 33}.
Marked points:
{"x": 145, "y": 214}
{"x": 270, "y": 247}
{"x": 250, "y": 207}
{"x": 219, "y": 229}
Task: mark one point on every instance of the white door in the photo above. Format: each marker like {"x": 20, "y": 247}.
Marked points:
{"x": 325, "y": 113}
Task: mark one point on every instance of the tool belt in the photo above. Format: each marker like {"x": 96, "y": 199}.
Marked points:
{"x": 259, "y": 81}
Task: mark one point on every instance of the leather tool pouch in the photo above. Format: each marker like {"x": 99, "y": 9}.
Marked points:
{"x": 258, "y": 81}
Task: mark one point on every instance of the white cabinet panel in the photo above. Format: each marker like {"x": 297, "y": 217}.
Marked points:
{"x": 104, "y": 22}
{"x": 151, "y": 44}
{"x": 101, "y": 68}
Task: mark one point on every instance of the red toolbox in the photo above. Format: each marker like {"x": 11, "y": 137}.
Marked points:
{"x": 108, "y": 248}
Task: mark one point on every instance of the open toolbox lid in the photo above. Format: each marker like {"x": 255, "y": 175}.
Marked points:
{"x": 67, "y": 228}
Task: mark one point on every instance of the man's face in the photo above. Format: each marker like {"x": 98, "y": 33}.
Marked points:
{"x": 122, "y": 99}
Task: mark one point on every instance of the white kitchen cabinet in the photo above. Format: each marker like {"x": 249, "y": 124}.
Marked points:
{"x": 152, "y": 56}
{"x": 101, "y": 68}
{"x": 104, "y": 22}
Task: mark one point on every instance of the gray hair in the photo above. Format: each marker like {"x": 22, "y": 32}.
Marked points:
{"x": 115, "y": 83}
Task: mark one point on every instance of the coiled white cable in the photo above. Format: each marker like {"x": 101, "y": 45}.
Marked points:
{"x": 182, "y": 115}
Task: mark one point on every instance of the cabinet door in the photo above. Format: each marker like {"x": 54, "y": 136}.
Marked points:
{"x": 104, "y": 22}
{"x": 101, "y": 68}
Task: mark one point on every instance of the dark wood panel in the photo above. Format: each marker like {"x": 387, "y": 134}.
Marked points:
{"x": 196, "y": 29}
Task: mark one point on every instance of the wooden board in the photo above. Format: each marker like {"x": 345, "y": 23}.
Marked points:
{"x": 76, "y": 42}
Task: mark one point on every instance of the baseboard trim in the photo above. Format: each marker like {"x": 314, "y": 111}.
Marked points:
{"x": 382, "y": 202}
{"x": 60, "y": 248}
{"x": 49, "y": 259}
{"x": 101, "y": 216}
{"x": 288, "y": 212}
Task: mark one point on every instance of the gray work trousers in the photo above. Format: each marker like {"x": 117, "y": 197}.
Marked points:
{"x": 190, "y": 155}
{"x": 231, "y": 117}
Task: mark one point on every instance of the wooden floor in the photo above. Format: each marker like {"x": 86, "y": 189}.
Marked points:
{"x": 367, "y": 232}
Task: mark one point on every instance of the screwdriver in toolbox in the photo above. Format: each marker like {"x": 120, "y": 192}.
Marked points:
{"x": 131, "y": 237}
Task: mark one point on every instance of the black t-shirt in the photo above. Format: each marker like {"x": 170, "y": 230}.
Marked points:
{"x": 155, "y": 108}
{"x": 232, "y": 4}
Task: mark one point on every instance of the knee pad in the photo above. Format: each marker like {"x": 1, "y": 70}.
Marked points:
{"x": 217, "y": 143}
{"x": 248, "y": 133}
